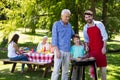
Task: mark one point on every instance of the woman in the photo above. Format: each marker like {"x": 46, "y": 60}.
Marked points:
{"x": 14, "y": 54}
{"x": 43, "y": 46}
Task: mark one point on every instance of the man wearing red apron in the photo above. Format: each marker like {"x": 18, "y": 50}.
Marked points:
{"x": 95, "y": 37}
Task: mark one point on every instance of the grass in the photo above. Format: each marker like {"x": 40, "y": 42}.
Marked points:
{"x": 113, "y": 70}
{"x": 27, "y": 39}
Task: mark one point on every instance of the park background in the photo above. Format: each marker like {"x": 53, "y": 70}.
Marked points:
{"x": 33, "y": 19}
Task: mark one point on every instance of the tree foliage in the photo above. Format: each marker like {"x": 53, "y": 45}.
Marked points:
{"x": 42, "y": 14}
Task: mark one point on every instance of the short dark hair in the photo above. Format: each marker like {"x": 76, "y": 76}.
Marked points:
{"x": 75, "y": 36}
{"x": 88, "y": 12}
{"x": 15, "y": 38}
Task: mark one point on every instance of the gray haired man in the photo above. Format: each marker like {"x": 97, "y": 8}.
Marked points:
{"x": 62, "y": 33}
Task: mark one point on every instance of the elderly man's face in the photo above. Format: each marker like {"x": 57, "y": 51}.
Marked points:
{"x": 65, "y": 17}
{"x": 88, "y": 18}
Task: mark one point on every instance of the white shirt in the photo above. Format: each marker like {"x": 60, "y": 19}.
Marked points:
{"x": 102, "y": 30}
{"x": 11, "y": 50}
{"x": 40, "y": 46}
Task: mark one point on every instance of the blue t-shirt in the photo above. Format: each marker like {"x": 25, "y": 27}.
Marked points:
{"x": 77, "y": 51}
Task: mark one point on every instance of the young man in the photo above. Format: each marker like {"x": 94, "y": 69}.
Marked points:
{"x": 61, "y": 40}
{"x": 95, "y": 38}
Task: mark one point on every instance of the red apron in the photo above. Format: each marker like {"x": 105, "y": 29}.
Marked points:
{"x": 95, "y": 46}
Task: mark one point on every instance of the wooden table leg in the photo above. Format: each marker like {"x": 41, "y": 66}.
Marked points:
{"x": 13, "y": 67}
{"x": 95, "y": 71}
{"x": 47, "y": 67}
{"x": 45, "y": 72}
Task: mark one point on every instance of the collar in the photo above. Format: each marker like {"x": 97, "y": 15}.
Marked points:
{"x": 62, "y": 23}
{"x": 93, "y": 23}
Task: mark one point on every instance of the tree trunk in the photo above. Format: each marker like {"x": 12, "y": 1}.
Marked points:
{"x": 104, "y": 12}
{"x": 75, "y": 23}
{"x": 75, "y": 18}
{"x": 93, "y": 7}
{"x": 104, "y": 15}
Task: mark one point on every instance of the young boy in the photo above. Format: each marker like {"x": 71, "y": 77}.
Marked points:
{"x": 77, "y": 53}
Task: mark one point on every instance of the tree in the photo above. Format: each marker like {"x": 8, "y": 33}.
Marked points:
{"x": 42, "y": 14}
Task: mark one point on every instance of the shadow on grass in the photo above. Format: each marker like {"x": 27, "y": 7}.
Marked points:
{"x": 113, "y": 48}
{"x": 114, "y": 40}
{"x": 3, "y": 54}
{"x": 26, "y": 44}
{"x": 29, "y": 44}
{"x": 39, "y": 34}
{"x": 113, "y": 68}
{"x": 113, "y": 59}
{"x": 28, "y": 75}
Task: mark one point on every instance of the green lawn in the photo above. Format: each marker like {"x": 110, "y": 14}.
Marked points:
{"x": 27, "y": 40}
{"x": 113, "y": 70}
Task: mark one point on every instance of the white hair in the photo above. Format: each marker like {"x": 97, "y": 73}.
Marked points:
{"x": 65, "y": 11}
{"x": 45, "y": 37}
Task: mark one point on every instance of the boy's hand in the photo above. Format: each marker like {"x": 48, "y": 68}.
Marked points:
{"x": 86, "y": 55}
{"x": 78, "y": 59}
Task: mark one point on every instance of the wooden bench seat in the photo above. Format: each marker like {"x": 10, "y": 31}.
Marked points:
{"x": 7, "y": 61}
{"x": 46, "y": 65}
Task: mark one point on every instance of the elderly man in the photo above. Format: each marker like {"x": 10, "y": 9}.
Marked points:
{"x": 62, "y": 33}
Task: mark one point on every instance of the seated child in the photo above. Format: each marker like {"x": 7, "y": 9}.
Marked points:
{"x": 77, "y": 53}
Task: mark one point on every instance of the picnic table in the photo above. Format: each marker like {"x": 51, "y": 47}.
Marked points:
{"x": 45, "y": 60}
{"x": 40, "y": 57}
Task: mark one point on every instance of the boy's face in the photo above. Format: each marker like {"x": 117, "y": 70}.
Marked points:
{"x": 76, "y": 40}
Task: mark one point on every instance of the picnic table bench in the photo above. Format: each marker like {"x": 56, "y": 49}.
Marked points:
{"x": 46, "y": 65}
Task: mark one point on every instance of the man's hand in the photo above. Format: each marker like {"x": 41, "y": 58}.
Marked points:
{"x": 86, "y": 47}
{"x": 58, "y": 54}
{"x": 104, "y": 47}
{"x": 103, "y": 50}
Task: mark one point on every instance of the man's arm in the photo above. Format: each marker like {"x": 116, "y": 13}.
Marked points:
{"x": 55, "y": 40}
{"x": 104, "y": 47}
{"x": 86, "y": 39}
{"x": 104, "y": 36}
{"x": 103, "y": 31}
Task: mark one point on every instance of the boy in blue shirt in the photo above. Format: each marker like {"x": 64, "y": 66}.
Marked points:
{"x": 77, "y": 53}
